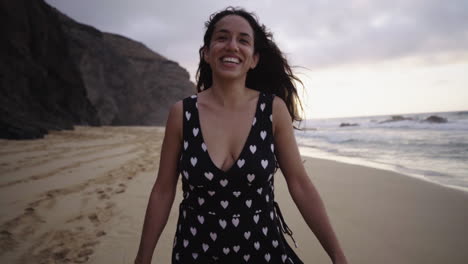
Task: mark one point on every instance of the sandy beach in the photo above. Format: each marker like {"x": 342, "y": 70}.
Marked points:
{"x": 80, "y": 197}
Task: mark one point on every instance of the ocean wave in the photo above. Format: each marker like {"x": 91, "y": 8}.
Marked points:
{"x": 456, "y": 121}
{"x": 415, "y": 124}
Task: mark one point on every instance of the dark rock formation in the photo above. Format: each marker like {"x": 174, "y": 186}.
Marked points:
{"x": 40, "y": 88}
{"x": 435, "y": 119}
{"x": 126, "y": 82}
{"x": 56, "y": 72}
{"x": 348, "y": 124}
{"x": 396, "y": 118}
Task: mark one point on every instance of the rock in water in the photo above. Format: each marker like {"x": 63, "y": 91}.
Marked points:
{"x": 435, "y": 119}
{"x": 348, "y": 124}
{"x": 396, "y": 118}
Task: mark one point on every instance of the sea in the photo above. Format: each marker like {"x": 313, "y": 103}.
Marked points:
{"x": 405, "y": 143}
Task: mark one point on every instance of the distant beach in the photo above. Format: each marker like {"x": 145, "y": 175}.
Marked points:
{"x": 80, "y": 197}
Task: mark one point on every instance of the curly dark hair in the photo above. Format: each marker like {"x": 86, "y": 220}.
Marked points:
{"x": 272, "y": 73}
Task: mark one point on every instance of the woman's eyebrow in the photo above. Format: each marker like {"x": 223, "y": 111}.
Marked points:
{"x": 227, "y": 31}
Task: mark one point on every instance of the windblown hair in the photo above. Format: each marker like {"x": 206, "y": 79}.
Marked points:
{"x": 272, "y": 73}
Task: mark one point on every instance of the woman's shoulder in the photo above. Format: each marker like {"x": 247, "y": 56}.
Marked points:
{"x": 190, "y": 97}
{"x": 280, "y": 113}
{"x": 278, "y": 102}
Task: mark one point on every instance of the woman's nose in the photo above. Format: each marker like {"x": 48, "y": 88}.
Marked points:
{"x": 233, "y": 45}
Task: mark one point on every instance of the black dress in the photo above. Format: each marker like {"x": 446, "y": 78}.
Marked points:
{"x": 230, "y": 216}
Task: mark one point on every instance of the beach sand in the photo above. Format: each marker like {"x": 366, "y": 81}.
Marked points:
{"x": 80, "y": 197}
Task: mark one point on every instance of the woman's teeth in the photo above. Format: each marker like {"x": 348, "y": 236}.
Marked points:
{"x": 231, "y": 59}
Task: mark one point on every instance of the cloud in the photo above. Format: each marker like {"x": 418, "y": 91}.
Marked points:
{"x": 312, "y": 33}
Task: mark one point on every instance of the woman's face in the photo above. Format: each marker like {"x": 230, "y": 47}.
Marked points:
{"x": 231, "y": 51}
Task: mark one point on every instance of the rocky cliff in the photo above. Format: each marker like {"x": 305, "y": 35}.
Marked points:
{"x": 60, "y": 72}
{"x": 126, "y": 82}
{"x": 40, "y": 88}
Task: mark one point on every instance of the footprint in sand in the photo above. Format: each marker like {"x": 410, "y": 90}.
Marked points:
{"x": 101, "y": 216}
{"x": 102, "y": 194}
{"x": 122, "y": 187}
{"x": 100, "y": 233}
{"x": 7, "y": 241}
{"x": 60, "y": 253}
{"x": 94, "y": 219}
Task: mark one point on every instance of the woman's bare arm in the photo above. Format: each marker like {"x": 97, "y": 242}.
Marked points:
{"x": 301, "y": 188}
{"x": 163, "y": 192}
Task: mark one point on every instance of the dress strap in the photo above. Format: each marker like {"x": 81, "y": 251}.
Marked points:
{"x": 284, "y": 227}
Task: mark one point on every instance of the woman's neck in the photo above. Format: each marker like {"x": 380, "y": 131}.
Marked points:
{"x": 230, "y": 94}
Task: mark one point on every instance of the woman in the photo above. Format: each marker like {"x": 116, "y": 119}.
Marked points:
{"x": 227, "y": 142}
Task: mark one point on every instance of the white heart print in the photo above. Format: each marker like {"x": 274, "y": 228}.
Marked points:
{"x": 213, "y": 236}
{"x": 223, "y": 182}
{"x": 193, "y": 160}
{"x": 257, "y": 245}
{"x": 253, "y": 148}
{"x": 201, "y": 219}
{"x": 222, "y": 223}
{"x": 256, "y": 218}
{"x": 274, "y": 243}
{"x": 193, "y": 230}
{"x": 201, "y": 200}
{"x": 205, "y": 247}
{"x": 209, "y": 175}
{"x": 224, "y": 204}
{"x": 250, "y": 177}
{"x": 240, "y": 163}
{"x": 226, "y": 251}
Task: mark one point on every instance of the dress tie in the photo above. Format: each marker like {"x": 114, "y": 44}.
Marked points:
{"x": 284, "y": 227}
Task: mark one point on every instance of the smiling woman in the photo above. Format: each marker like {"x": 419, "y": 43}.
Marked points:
{"x": 227, "y": 141}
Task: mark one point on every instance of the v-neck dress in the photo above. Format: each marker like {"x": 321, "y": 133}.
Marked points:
{"x": 230, "y": 216}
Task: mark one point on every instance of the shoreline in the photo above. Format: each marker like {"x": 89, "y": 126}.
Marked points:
{"x": 321, "y": 154}
{"x": 80, "y": 197}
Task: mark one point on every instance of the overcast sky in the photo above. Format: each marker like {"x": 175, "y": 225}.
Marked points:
{"x": 363, "y": 57}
